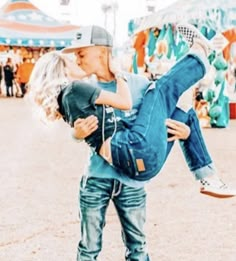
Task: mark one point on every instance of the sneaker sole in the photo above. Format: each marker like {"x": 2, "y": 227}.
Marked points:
{"x": 216, "y": 195}
{"x": 182, "y": 28}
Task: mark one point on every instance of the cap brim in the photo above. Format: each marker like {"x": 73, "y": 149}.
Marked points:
{"x": 73, "y": 48}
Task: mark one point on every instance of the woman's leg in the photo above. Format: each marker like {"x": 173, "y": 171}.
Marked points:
{"x": 194, "y": 147}
{"x": 160, "y": 101}
{"x": 147, "y": 138}
{"x": 198, "y": 158}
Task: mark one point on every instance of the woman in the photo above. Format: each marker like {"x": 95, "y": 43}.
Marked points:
{"x": 137, "y": 150}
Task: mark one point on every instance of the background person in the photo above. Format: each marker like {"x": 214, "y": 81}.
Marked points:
{"x": 1, "y": 73}
{"x": 8, "y": 70}
{"x": 23, "y": 73}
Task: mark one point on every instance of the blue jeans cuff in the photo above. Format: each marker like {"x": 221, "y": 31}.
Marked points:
{"x": 202, "y": 57}
{"x": 204, "y": 172}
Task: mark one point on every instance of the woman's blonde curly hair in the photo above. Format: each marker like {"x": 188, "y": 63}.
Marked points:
{"x": 47, "y": 79}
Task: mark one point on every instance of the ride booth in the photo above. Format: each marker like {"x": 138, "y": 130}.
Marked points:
{"x": 157, "y": 49}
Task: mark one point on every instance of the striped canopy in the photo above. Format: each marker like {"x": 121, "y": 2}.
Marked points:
{"x": 23, "y": 24}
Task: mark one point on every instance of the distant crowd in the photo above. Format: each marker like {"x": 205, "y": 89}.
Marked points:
{"x": 16, "y": 65}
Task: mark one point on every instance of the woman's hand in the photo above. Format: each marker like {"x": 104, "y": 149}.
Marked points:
{"x": 177, "y": 129}
{"x": 114, "y": 65}
{"x": 84, "y": 127}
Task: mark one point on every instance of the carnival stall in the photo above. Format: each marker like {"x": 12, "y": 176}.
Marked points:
{"x": 26, "y": 33}
{"x": 159, "y": 45}
{"x": 23, "y": 24}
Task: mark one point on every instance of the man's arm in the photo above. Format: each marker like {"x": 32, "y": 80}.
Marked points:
{"x": 179, "y": 130}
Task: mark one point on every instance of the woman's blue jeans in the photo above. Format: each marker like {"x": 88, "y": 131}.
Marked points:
{"x": 130, "y": 203}
{"x": 194, "y": 147}
{"x": 145, "y": 143}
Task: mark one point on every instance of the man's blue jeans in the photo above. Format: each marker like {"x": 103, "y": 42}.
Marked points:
{"x": 130, "y": 203}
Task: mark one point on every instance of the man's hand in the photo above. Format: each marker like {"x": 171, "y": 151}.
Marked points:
{"x": 84, "y": 127}
{"x": 177, "y": 129}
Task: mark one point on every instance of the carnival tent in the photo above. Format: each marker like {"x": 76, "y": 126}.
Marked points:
{"x": 23, "y": 24}
{"x": 218, "y": 15}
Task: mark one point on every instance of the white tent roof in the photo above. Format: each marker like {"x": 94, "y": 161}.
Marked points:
{"x": 218, "y": 14}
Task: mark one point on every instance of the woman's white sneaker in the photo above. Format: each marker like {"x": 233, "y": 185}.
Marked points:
{"x": 215, "y": 187}
{"x": 191, "y": 34}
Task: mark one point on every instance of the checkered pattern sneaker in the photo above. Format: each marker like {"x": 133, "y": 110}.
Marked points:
{"x": 191, "y": 34}
{"x": 215, "y": 187}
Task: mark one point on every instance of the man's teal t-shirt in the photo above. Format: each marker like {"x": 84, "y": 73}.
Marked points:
{"x": 97, "y": 166}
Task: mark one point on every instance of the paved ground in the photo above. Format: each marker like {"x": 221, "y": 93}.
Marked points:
{"x": 40, "y": 168}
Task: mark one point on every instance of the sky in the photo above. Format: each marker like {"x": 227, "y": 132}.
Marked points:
{"x": 85, "y": 12}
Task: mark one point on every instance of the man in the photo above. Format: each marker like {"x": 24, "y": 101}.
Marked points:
{"x": 23, "y": 74}
{"x": 101, "y": 182}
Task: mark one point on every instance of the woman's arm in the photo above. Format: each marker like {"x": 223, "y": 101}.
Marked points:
{"x": 121, "y": 99}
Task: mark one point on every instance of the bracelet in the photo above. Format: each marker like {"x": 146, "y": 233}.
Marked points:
{"x": 76, "y": 139}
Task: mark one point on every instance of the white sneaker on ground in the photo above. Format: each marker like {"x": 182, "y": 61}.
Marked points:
{"x": 191, "y": 34}
{"x": 215, "y": 187}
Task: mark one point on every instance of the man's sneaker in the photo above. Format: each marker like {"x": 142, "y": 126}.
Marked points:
{"x": 191, "y": 34}
{"x": 215, "y": 187}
